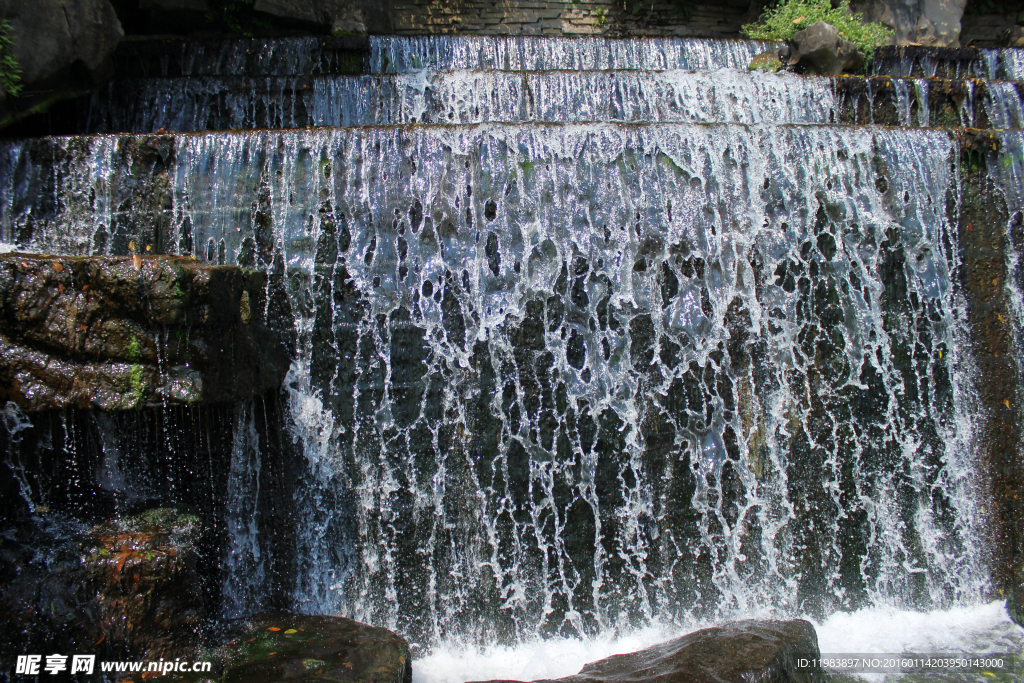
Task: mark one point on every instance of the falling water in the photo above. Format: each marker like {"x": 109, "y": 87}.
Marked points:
{"x": 576, "y": 352}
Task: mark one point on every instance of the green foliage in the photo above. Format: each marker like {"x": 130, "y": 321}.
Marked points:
{"x": 782, "y": 22}
{"x": 10, "y": 71}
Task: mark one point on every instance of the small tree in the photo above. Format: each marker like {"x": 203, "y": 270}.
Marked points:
{"x": 782, "y": 22}
{"x": 10, "y": 71}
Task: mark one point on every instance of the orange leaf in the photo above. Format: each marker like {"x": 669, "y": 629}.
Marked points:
{"x": 273, "y": 628}
{"x": 136, "y": 262}
{"x": 58, "y": 267}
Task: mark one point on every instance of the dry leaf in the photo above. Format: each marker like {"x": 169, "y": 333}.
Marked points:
{"x": 131, "y": 246}
{"x": 58, "y": 267}
{"x": 136, "y": 262}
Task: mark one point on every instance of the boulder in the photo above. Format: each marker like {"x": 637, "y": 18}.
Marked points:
{"x": 63, "y": 48}
{"x": 766, "y": 61}
{"x": 127, "y": 332}
{"x": 295, "y": 647}
{"x": 149, "y": 593}
{"x": 341, "y": 17}
{"x": 738, "y": 652}
{"x": 820, "y": 50}
{"x": 124, "y": 589}
{"x": 916, "y": 22}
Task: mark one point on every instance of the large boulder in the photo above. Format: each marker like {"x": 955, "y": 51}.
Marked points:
{"x": 738, "y": 652}
{"x": 821, "y": 50}
{"x": 126, "y": 589}
{"x": 126, "y": 332}
{"x": 63, "y": 48}
{"x": 149, "y": 592}
{"x": 306, "y": 648}
{"x": 916, "y": 22}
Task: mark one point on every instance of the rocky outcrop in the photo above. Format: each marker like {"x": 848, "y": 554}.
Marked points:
{"x": 62, "y": 47}
{"x": 820, "y": 50}
{"x": 752, "y": 650}
{"x": 916, "y": 22}
{"x": 126, "y": 332}
{"x": 340, "y": 17}
{"x": 124, "y": 589}
{"x": 144, "y": 571}
{"x": 294, "y": 647}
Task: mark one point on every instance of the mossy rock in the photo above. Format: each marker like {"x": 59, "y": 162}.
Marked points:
{"x": 766, "y": 61}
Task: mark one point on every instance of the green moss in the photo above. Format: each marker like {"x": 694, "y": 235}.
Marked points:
{"x": 10, "y": 70}
{"x": 137, "y": 384}
{"x": 134, "y": 350}
{"x": 782, "y": 22}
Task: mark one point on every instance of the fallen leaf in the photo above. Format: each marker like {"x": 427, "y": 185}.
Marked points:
{"x": 291, "y": 630}
{"x": 136, "y": 262}
{"x": 940, "y": 353}
{"x": 85, "y": 288}
{"x": 83, "y": 327}
{"x": 148, "y": 248}
{"x": 58, "y": 267}
{"x": 131, "y": 246}
{"x": 273, "y": 628}
{"x": 999, "y": 315}
{"x": 102, "y": 637}
{"x": 799, "y": 19}
{"x": 995, "y": 281}
{"x": 1006, "y": 402}
{"x": 60, "y": 288}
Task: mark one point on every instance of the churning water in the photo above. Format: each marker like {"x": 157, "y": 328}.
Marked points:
{"x": 566, "y": 379}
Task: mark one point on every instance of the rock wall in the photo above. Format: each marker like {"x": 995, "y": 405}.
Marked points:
{"x": 569, "y": 17}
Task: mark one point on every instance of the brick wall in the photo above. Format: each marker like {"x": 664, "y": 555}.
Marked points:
{"x": 568, "y": 17}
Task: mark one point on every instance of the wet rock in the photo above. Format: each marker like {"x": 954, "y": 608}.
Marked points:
{"x": 821, "y": 50}
{"x": 126, "y": 332}
{"x": 752, "y": 650}
{"x": 63, "y": 48}
{"x": 342, "y": 17}
{"x": 149, "y": 594}
{"x": 766, "y": 61}
{"x": 124, "y": 589}
{"x": 918, "y": 22}
{"x": 293, "y": 647}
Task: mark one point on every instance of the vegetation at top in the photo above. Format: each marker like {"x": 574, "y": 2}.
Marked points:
{"x": 10, "y": 71}
{"x": 782, "y": 22}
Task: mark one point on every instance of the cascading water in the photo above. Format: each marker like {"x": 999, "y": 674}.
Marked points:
{"x": 564, "y": 378}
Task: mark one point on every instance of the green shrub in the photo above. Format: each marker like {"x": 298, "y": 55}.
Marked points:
{"x": 795, "y": 15}
{"x": 10, "y": 71}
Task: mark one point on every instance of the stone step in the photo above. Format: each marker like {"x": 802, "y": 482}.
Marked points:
{"x": 216, "y": 195}
{"x": 190, "y": 104}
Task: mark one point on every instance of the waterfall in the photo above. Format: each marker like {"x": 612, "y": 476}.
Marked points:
{"x": 586, "y": 336}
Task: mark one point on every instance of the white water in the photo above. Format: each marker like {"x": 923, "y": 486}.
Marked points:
{"x": 977, "y": 629}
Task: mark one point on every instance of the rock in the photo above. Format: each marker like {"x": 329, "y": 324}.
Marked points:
{"x": 916, "y": 22}
{"x": 821, "y": 51}
{"x": 124, "y": 589}
{"x": 293, "y": 647}
{"x": 738, "y": 652}
{"x": 766, "y": 61}
{"x": 63, "y": 48}
{"x": 341, "y": 17}
{"x": 150, "y": 596}
{"x": 124, "y": 332}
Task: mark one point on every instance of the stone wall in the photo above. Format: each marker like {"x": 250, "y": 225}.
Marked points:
{"x": 568, "y": 17}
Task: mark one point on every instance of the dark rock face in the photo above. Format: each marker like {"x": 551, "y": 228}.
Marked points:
{"x": 125, "y": 332}
{"x": 148, "y": 590}
{"x": 123, "y": 589}
{"x": 62, "y": 46}
{"x": 820, "y": 50}
{"x": 292, "y": 647}
{"x": 751, "y": 650}
{"x": 921, "y": 22}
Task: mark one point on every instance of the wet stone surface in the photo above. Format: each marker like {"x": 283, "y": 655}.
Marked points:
{"x": 296, "y": 647}
{"x": 750, "y": 650}
{"x": 125, "y": 332}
